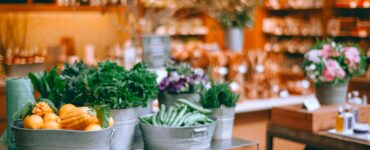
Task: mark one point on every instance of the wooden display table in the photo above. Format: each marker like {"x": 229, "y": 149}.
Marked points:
{"x": 321, "y": 139}
{"x": 296, "y": 124}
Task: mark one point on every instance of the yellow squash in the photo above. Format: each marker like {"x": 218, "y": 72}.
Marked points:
{"x": 78, "y": 118}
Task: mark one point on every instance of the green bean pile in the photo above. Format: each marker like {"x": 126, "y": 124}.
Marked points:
{"x": 184, "y": 114}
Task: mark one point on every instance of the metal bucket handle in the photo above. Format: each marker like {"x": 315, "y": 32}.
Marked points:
{"x": 112, "y": 137}
{"x": 199, "y": 134}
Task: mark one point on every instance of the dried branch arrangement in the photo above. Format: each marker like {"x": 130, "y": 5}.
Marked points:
{"x": 230, "y": 13}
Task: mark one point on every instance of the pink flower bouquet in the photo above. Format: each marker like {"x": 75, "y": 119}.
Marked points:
{"x": 334, "y": 63}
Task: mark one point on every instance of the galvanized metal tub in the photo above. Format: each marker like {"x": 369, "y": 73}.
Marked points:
{"x": 29, "y": 139}
{"x": 177, "y": 138}
{"x": 224, "y": 122}
{"x": 169, "y": 99}
{"x": 141, "y": 112}
{"x": 125, "y": 121}
{"x": 328, "y": 94}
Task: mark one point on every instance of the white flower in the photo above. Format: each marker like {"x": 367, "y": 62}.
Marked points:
{"x": 314, "y": 56}
{"x": 199, "y": 72}
{"x": 174, "y": 76}
{"x": 312, "y": 67}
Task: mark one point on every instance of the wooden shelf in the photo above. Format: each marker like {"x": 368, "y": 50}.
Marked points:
{"x": 51, "y": 7}
{"x": 294, "y": 9}
{"x": 291, "y": 35}
{"x": 350, "y": 36}
{"x": 361, "y": 80}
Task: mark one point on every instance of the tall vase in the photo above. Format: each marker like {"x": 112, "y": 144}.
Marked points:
{"x": 234, "y": 38}
{"x": 328, "y": 94}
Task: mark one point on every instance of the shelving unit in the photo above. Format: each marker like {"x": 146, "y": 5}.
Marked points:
{"x": 30, "y": 6}
{"x": 48, "y": 7}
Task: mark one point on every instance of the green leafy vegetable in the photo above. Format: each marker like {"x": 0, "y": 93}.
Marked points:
{"x": 103, "y": 114}
{"x": 218, "y": 95}
{"x": 25, "y": 111}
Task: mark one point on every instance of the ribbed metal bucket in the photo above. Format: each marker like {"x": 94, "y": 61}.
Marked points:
{"x": 169, "y": 99}
{"x": 328, "y": 94}
{"x": 177, "y": 138}
{"x": 142, "y": 111}
{"x": 224, "y": 122}
{"x": 29, "y": 139}
{"x": 125, "y": 121}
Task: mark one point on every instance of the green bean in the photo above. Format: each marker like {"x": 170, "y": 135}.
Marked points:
{"x": 173, "y": 116}
{"x": 194, "y": 106}
{"x": 179, "y": 116}
{"x": 154, "y": 119}
{"x": 161, "y": 112}
{"x": 181, "y": 121}
{"x": 142, "y": 120}
{"x": 168, "y": 116}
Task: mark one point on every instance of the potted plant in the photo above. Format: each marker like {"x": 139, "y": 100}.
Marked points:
{"x": 181, "y": 82}
{"x": 331, "y": 65}
{"x": 126, "y": 92}
{"x": 234, "y": 16}
{"x": 222, "y": 101}
{"x": 111, "y": 89}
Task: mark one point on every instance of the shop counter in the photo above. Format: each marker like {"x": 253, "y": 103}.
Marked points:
{"x": 322, "y": 139}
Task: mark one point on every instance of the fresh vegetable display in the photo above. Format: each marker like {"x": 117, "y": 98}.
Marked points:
{"x": 185, "y": 114}
{"x": 107, "y": 86}
{"x": 70, "y": 117}
{"x": 218, "y": 95}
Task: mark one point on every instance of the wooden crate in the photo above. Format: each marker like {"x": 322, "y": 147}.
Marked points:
{"x": 322, "y": 119}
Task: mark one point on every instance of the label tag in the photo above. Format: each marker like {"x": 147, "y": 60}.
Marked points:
{"x": 311, "y": 104}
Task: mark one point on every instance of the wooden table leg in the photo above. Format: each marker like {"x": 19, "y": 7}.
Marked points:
{"x": 269, "y": 141}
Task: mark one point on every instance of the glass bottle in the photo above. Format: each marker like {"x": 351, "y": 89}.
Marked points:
{"x": 339, "y": 121}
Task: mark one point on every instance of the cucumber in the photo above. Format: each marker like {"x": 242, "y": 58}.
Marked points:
{"x": 194, "y": 106}
{"x": 179, "y": 116}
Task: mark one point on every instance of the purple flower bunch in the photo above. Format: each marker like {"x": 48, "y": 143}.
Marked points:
{"x": 175, "y": 82}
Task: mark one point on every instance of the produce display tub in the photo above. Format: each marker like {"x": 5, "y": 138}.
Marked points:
{"x": 224, "y": 118}
{"x": 125, "y": 121}
{"x": 177, "y": 138}
{"x": 29, "y": 139}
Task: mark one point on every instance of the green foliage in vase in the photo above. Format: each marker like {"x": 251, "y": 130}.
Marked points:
{"x": 218, "y": 95}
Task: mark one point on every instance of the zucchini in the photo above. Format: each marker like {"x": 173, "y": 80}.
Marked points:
{"x": 179, "y": 116}
{"x": 194, "y": 106}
